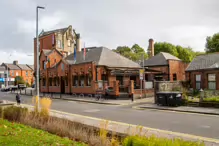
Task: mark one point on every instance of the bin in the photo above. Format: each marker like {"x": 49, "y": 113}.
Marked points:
{"x": 169, "y": 98}
{"x": 174, "y": 99}
{"x": 161, "y": 99}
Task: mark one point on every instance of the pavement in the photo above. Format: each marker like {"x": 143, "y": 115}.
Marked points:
{"x": 182, "y": 123}
{"x": 82, "y": 98}
{"x": 199, "y": 110}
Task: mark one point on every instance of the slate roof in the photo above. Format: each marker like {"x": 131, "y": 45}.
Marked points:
{"x": 62, "y": 31}
{"x": 24, "y": 67}
{"x": 104, "y": 57}
{"x": 207, "y": 61}
{"x": 30, "y": 66}
{"x": 11, "y": 66}
{"x": 160, "y": 59}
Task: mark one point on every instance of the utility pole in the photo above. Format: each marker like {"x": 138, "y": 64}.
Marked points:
{"x": 37, "y": 56}
{"x": 143, "y": 72}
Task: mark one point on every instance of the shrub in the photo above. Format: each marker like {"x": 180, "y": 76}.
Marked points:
{"x": 14, "y": 113}
{"x": 154, "y": 141}
{"x": 45, "y": 104}
{"x": 212, "y": 99}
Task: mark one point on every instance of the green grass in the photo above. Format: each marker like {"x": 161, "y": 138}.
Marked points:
{"x": 154, "y": 141}
{"x": 13, "y": 134}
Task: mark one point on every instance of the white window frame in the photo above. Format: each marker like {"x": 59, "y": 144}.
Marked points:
{"x": 69, "y": 43}
{"x": 198, "y": 81}
{"x": 212, "y": 81}
{"x": 59, "y": 43}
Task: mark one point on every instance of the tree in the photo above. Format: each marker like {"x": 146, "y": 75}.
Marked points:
{"x": 134, "y": 53}
{"x": 186, "y": 54}
{"x": 212, "y": 43}
{"x": 165, "y": 47}
{"x": 19, "y": 80}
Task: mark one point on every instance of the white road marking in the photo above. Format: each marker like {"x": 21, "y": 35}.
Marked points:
{"x": 205, "y": 126}
{"x": 91, "y": 110}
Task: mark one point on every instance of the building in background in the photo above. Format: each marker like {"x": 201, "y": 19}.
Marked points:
{"x": 2, "y": 76}
{"x": 203, "y": 72}
{"x": 164, "y": 66}
{"x": 14, "y": 69}
{"x": 64, "y": 40}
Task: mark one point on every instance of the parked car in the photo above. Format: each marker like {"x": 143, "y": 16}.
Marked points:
{"x": 33, "y": 86}
{"x": 22, "y": 86}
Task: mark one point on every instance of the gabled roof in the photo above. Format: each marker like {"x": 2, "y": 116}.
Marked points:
{"x": 207, "y": 61}
{"x": 160, "y": 59}
{"x": 30, "y": 66}
{"x": 23, "y": 67}
{"x": 57, "y": 64}
{"x": 104, "y": 57}
{"x": 61, "y": 30}
{"x": 11, "y": 66}
{"x": 47, "y": 52}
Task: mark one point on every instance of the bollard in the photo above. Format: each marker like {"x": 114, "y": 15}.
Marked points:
{"x": 201, "y": 95}
{"x": 132, "y": 97}
{"x": 25, "y": 92}
{"x": 31, "y": 92}
{"x": 60, "y": 95}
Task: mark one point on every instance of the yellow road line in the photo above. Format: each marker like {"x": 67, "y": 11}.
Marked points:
{"x": 148, "y": 128}
{"x": 180, "y": 112}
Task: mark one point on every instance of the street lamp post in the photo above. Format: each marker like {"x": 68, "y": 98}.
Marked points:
{"x": 37, "y": 55}
{"x": 7, "y": 73}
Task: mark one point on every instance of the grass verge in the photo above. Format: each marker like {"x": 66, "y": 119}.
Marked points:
{"x": 17, "y": 134}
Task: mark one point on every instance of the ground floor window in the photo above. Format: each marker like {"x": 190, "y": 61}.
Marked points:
{"x": 44, "y": 82}
{"x": 198, "y": 81}
{"x": 75, "y": 81}
{"x": 212, "y": 81}
{"x": 50, "y": 81}
{"x": 54, "y": 81}
{"x": 66, "y": 81}
{"x": 58, "y": 81}
{"x": 89, "y": 79}
{"x": 175, "y": 77}
{"x": 81, "y": 81}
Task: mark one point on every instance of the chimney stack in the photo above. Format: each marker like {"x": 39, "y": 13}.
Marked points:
{"x": 78, "y": 43}
{"x": 151, "y": 48}
{"x": 15, "y": 62}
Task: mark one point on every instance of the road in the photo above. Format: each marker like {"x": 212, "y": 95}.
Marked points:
{"x": 195, "y": 124}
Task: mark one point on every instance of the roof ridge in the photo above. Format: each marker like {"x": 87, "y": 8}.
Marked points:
{"x": 100, "y": 57}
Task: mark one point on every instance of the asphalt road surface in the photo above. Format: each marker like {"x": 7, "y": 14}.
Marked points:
{"x": 195, "y": 124}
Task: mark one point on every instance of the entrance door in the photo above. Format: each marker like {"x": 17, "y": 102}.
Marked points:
{"x": 62, "y": 85}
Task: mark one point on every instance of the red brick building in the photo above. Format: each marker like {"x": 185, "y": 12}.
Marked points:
{"x": 203, "y": 72}
{"x": 165, "y": 66}
{"x": 15, "y": 69}
{"x": 100, "y": 67}
{"x": 64, "y": 40}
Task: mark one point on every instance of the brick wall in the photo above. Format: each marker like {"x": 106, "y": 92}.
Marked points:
{"x": 29, "y": 77}
{"x": 191, "y": 76}
{"x": 45, "y": 43}
{"x": 178, "y": 68}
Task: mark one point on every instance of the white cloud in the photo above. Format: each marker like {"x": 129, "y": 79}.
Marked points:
{"x": 9, "y": 57}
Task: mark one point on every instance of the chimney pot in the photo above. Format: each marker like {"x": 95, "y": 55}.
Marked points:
{"x": 78, "y": 43}
{"x": 15, "y": 62}
{"x": 151, "y": 48}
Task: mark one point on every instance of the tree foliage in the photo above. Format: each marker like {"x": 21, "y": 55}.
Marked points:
{"x": 212, "y": 43}
{"x": 134, "y": 53}
{"x": 186, "y": 54}
{"x": 19, "y": 80}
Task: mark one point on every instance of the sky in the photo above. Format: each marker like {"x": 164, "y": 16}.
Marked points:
{"x": 108, "y": 23}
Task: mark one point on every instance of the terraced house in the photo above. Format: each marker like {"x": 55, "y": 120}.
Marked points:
{"x": 14, "y": 69}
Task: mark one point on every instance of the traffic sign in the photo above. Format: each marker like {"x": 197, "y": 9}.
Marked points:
{"x": 141, "y": 74}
